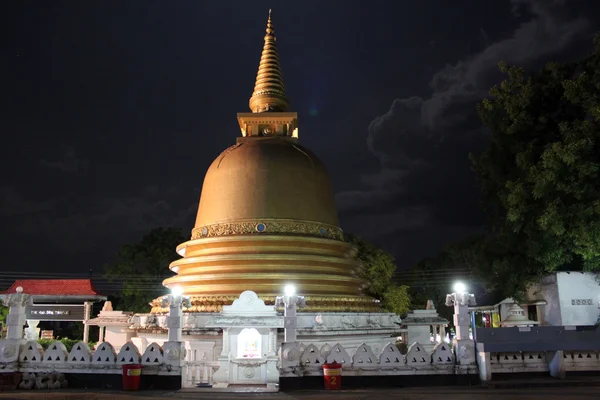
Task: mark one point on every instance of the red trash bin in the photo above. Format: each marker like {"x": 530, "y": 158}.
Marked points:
{"x": 131, "y": 376}
{"x": 332, "y": 374}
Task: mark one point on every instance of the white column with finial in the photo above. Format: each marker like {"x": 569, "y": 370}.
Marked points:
{"x": 174, "y": 348}
{"x": 175, "y": 318}
{"x": 15, "y": 320}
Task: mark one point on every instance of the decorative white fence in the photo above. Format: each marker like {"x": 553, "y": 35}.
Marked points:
{"x": 198, "y": 373}
{"x": 296, "y": 360}
{"x": 582, "y": 360}
{"x": 300, "y": 360}
{"x": 519, "y": 362}
{"x": 31, "y": 357}
{"x": 557, "y": 350}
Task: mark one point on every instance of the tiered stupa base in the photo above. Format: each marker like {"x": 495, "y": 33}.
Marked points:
{"x": 263, "y": 255}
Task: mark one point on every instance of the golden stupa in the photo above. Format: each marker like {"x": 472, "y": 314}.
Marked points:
{"x": 267, "y": 216}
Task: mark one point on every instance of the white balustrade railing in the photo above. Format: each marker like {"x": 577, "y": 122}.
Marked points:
{"x": 582, "y": 360}
{"x": 296, "y": 360}
{"x": 299, "y": 360}
{"x": 31, "y": 357}
{"x": 198, "y": 373}
{"x": 197, "y": 369}
{"x": 536, "y": 361}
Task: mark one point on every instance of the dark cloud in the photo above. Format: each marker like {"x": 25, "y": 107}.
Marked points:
{"x": 68, "y": 163}
{"x": 98, "y": 227}
{"x": 425, "y": 191}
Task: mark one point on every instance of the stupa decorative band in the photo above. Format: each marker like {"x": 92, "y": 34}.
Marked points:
{"x": 268, "y": 227}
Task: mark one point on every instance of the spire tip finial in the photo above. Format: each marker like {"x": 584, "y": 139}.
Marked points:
{"x": 269, "y": 91}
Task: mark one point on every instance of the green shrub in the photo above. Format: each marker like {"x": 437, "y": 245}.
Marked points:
{"x": 45, "y": 343}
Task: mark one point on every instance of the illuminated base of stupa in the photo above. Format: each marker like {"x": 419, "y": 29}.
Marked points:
{"x": 328, "y": 328}
{"x": 244, "y": 338}
{"x": 223, "y": 260}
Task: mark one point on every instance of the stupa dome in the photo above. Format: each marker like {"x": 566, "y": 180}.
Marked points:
{"x": 266, "y": 178}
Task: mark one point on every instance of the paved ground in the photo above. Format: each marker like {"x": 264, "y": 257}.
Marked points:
{"x": 438, "y": 393}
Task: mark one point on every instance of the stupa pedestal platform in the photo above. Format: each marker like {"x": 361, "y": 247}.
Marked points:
{"x": 243, "y": 339}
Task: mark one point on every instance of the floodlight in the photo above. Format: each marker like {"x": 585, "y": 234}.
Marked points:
{"x": 460, "y": 287}
{"x": 176, "y": 291}
{"x": 289, "y": 290}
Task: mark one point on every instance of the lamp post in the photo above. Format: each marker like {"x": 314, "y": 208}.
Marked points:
{"x": 290, "y": 301}
{"x": 176, "y": 301}
{"x": 460, "y": 299}
{"x": 463, "y": 346}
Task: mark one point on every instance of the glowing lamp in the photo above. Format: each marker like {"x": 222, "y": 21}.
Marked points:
{"x": 460, "y": 287}
{"x": 289, "y": 290}
{"x": 176, "y": 291}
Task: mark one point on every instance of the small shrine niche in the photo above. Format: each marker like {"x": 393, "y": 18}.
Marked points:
{"x": 249, "y": 343}
{"x": 249, "y": 354}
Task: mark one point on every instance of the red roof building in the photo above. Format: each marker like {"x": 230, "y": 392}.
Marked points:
{"x": 55, "y": 287}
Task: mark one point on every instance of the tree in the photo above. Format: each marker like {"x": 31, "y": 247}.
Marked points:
{"x": 140, "y": 268}
{"x": 378, "y": 270}
{"x": 540, "y": 174}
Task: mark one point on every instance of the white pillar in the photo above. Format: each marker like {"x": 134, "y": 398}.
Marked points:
{"x": 174, "y": 348}
{"x": 291, "y": 301}
{"x": 289, "y": 318}
{"x": 272, "y": 342}
{"x": 462, "y": 318}
{"x": 225, "y": 351}
{"x": 101, "y": 334}
{"x": 464, "y": 347}
{"x": 485, "y": 366}
{"x": 175, "y": 319}
{"x": 87, "y": 314}
{"x": 556, "y": 364}
{"x": 16, "y": 314}
{"x": 461, "y": 321}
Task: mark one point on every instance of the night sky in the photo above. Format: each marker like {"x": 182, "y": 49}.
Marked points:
{"x": 113, "y": 110}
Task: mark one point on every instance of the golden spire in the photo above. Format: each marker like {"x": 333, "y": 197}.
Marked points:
{"x": 269, "y": 91}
